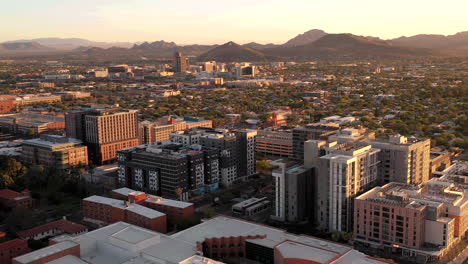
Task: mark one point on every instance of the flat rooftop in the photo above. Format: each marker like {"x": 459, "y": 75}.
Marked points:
{"x": 44, "y": 252}
{"x": 124, "y": 205}
{"x": 318, "y": 250}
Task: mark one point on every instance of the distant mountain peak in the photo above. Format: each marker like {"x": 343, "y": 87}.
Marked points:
{"x": 231, "y": 51}
{"x": 305, "y": 38}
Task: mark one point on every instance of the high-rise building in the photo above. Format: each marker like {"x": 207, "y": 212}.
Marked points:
{"x": 293, "y": 195}
{"x": 341, "y": 172}
{"x": 424, "y": 220}
{"x": 403, "y": 159}
{"x": 55, "y": 151}
{"x": 169, "y": 170}
{"x": 180, "y": 62}
{"x": 311, "y": 131}
{"x": 228, "y": 148}
{"x": 247, "y": 143}
{"x": 104, "y": 131}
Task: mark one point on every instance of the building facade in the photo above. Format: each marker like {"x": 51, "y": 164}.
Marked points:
{"x": 104, "y": 131}
{"x": 293, "y": 195}
{"x": 169, "y": 170}
{"x": 55, "y": 151}
{"x": 102, "y": 211}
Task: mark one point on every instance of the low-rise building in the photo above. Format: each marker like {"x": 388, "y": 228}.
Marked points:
{"x": 175, "y": 210}
{"x": 55, "y": 151}
{"x": 11, "y": 249}
{"x": 28, "y": 123}
{"x": 16, "y": 200}
{"x": 103, "y": 211}
{"x": 53, "y": 229}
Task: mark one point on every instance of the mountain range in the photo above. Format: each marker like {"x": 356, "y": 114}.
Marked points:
{"x": 312, "y": 45}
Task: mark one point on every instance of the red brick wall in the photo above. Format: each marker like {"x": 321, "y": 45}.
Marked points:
{"x": 12, "y": 249}
{"x": 227, "y": 246}
{"x": 109, "y": 151}
{"x": 6, "y": 106}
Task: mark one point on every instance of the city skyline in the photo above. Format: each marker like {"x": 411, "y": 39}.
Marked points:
{"x": 211, "y": 22}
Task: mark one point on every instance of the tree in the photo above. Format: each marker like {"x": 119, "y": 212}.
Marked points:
{"x": 11, "y": 171}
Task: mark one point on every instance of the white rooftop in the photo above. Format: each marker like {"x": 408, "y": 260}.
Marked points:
{"x": 132, "y": 207}
{"x": 44, "y": 252}
{"x": 318, "y": 250}
{"x": 68, "y": 259}
{"x": 154, "y": 199}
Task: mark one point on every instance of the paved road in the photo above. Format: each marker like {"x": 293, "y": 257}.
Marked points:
{"x": 462, "y": 258}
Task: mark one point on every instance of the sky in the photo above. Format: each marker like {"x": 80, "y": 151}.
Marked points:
{"x": 219, "y": 21}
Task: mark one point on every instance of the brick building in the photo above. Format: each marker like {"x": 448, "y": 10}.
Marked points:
{"x": 175, "y": 210}
{"x": 50, "y": 253}
{"x": 54, "y": 228}
{"x": 103, "y": 211}
{"x": 16, "y": 200}
{"x": 6, "y": 106}
{"x": 11, "y": 249}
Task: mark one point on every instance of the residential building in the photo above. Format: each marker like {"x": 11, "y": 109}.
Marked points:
{"x": 293, "y": 195}
{"x": 275, "y": 142}
{"x": 16, "y": 200}
{"x": 341, "y": 171}
{"x": 102, "y": 211}
{"x": 247, "y": 142}
{"x": 175, "y": 210}
{"x": 411, "y": 220}
{"x": 54, "y": 151}
{"x": 180, "y": 62}
{"x": 53, "y": 229}
{"x": 104, "y": 131}
{"x": 403, "y": 159}
{"x": 161, "y": 130}
{"x": 228, "y": 148}
{"x": 169, "y": 170}
{"x": 312, "y": 131}
{"x": 11, "y": 249}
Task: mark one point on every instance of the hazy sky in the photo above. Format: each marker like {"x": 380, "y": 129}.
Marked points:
{"x": 218, "y": 21}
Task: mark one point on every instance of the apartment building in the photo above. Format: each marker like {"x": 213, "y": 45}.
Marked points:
{"x": 341, "y": 172}
{"x": 293, "y": 195}
{"x": 54, "y": 151}
{"x": 247, "y": 141}
{"x": 160, "y": 130}
{"x": 104, "y": 131}
{"x": 403, "y": 159}
{"x": 310, "y": 132}
{"x": 169, "y": 170}
{"x": 102, "y": 211}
